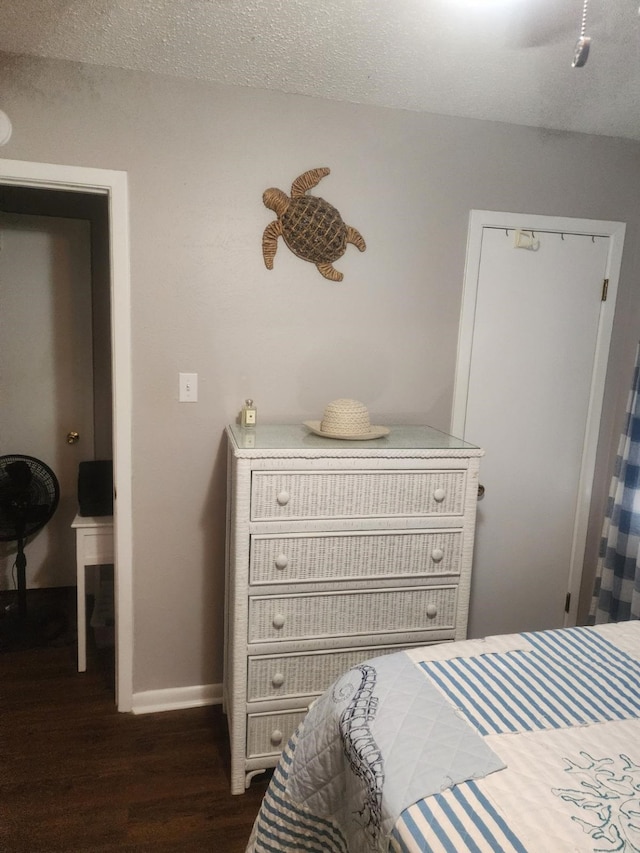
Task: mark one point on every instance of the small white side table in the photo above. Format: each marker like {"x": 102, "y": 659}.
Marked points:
{"x": 94, "y": 547}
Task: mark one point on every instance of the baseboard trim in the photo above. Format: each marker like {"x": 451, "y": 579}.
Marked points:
{"x": 176, "y": 698}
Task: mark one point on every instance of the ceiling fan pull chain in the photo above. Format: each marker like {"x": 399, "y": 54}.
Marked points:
{"x": 584, "y": 19}
{"x": 582, "y": 45}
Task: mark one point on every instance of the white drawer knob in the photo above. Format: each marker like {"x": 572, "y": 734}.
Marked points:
{"x": 282, "y": 561}
{"x": 437, "y": 554}
{"x": 276, "y": 737}
{"x": 283, "y": 497}
{"x": 278, "y": 620}
{"x": 431, "y": 610}
{"x": 278, "y": 679}
{"x": 439, "y": 495}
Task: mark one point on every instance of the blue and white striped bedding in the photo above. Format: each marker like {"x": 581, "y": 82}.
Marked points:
{"x": 560, "y": 710}
{"x": 460, "y": 818}
{"x": 567, "y": 678}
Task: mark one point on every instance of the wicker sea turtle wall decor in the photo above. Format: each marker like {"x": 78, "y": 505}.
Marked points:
{"x": 310, "y": 226}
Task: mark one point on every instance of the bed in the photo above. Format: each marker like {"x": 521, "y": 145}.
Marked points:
{"x": 524, "y": 742}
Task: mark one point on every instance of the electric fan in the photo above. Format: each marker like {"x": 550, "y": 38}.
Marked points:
{"x": 29, "y": 495}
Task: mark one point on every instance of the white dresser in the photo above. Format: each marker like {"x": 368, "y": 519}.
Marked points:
{"x": 337, "y": 551}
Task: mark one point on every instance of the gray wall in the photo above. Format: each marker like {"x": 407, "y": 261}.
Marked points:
{"x": 199, "y": 157}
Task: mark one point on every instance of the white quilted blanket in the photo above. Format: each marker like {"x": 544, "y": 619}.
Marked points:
{"x": 562, "y": 709}
{"x": 401, "y": 750}
{"x": 382, "y": 737}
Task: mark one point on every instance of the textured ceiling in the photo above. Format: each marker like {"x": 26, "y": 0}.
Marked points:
{"x": 504, "y": 60}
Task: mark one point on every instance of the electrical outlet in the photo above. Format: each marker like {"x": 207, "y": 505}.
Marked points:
{"x": 188, "y": 388}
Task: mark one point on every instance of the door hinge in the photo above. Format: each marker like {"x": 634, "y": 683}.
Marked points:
{"x": 567, "y": 602}
{"x": 605, "y": 289}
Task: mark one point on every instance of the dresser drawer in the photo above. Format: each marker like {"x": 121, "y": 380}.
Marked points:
{"x": 291, "y": 558}
{"x": 281, "y": 676}
{"x": 357, "y": 494}
{"x": 297, "y": 617}
{"x": 268, "y": 734}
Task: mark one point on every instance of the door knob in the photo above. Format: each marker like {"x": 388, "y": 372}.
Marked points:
{"x": 480, "y": 492}
{"x": 73, "y": 437}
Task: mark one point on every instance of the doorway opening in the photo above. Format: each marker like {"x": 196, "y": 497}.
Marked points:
{"x": 99, "y": 196}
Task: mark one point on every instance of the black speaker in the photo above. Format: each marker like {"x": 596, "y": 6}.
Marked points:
{"x": 95, "y": 487}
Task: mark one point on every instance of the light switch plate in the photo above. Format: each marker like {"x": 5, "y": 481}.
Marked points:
{"x": 188, "y": 388}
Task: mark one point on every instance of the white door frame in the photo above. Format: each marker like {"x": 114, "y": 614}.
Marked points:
{"x": 114, "y": 185}
{"x": 615, "y": 231}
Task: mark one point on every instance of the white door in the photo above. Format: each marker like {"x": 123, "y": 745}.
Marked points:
{"x": 46, "y": 376}
{"x": 532, "y": 356}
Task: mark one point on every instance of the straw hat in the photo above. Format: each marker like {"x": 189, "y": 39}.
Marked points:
{"x": 346, "y": 419}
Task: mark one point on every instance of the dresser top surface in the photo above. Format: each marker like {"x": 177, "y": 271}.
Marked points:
{"x": 296, "y": 437}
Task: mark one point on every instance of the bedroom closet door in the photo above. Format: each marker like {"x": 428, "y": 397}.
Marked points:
{"x": 47, "y": 373}
{"x": 532, "y": 356}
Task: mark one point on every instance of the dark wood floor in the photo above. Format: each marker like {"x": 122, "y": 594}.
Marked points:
{"x": 75, "y": 775}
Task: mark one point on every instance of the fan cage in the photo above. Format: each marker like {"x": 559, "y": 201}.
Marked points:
{"x": 26, "y": 505}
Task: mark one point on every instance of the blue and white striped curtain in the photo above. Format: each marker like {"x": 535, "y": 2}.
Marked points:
{"x": 616, "y": 595}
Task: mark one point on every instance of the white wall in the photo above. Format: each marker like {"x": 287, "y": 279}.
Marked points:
{"x": 199, "y": 157}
